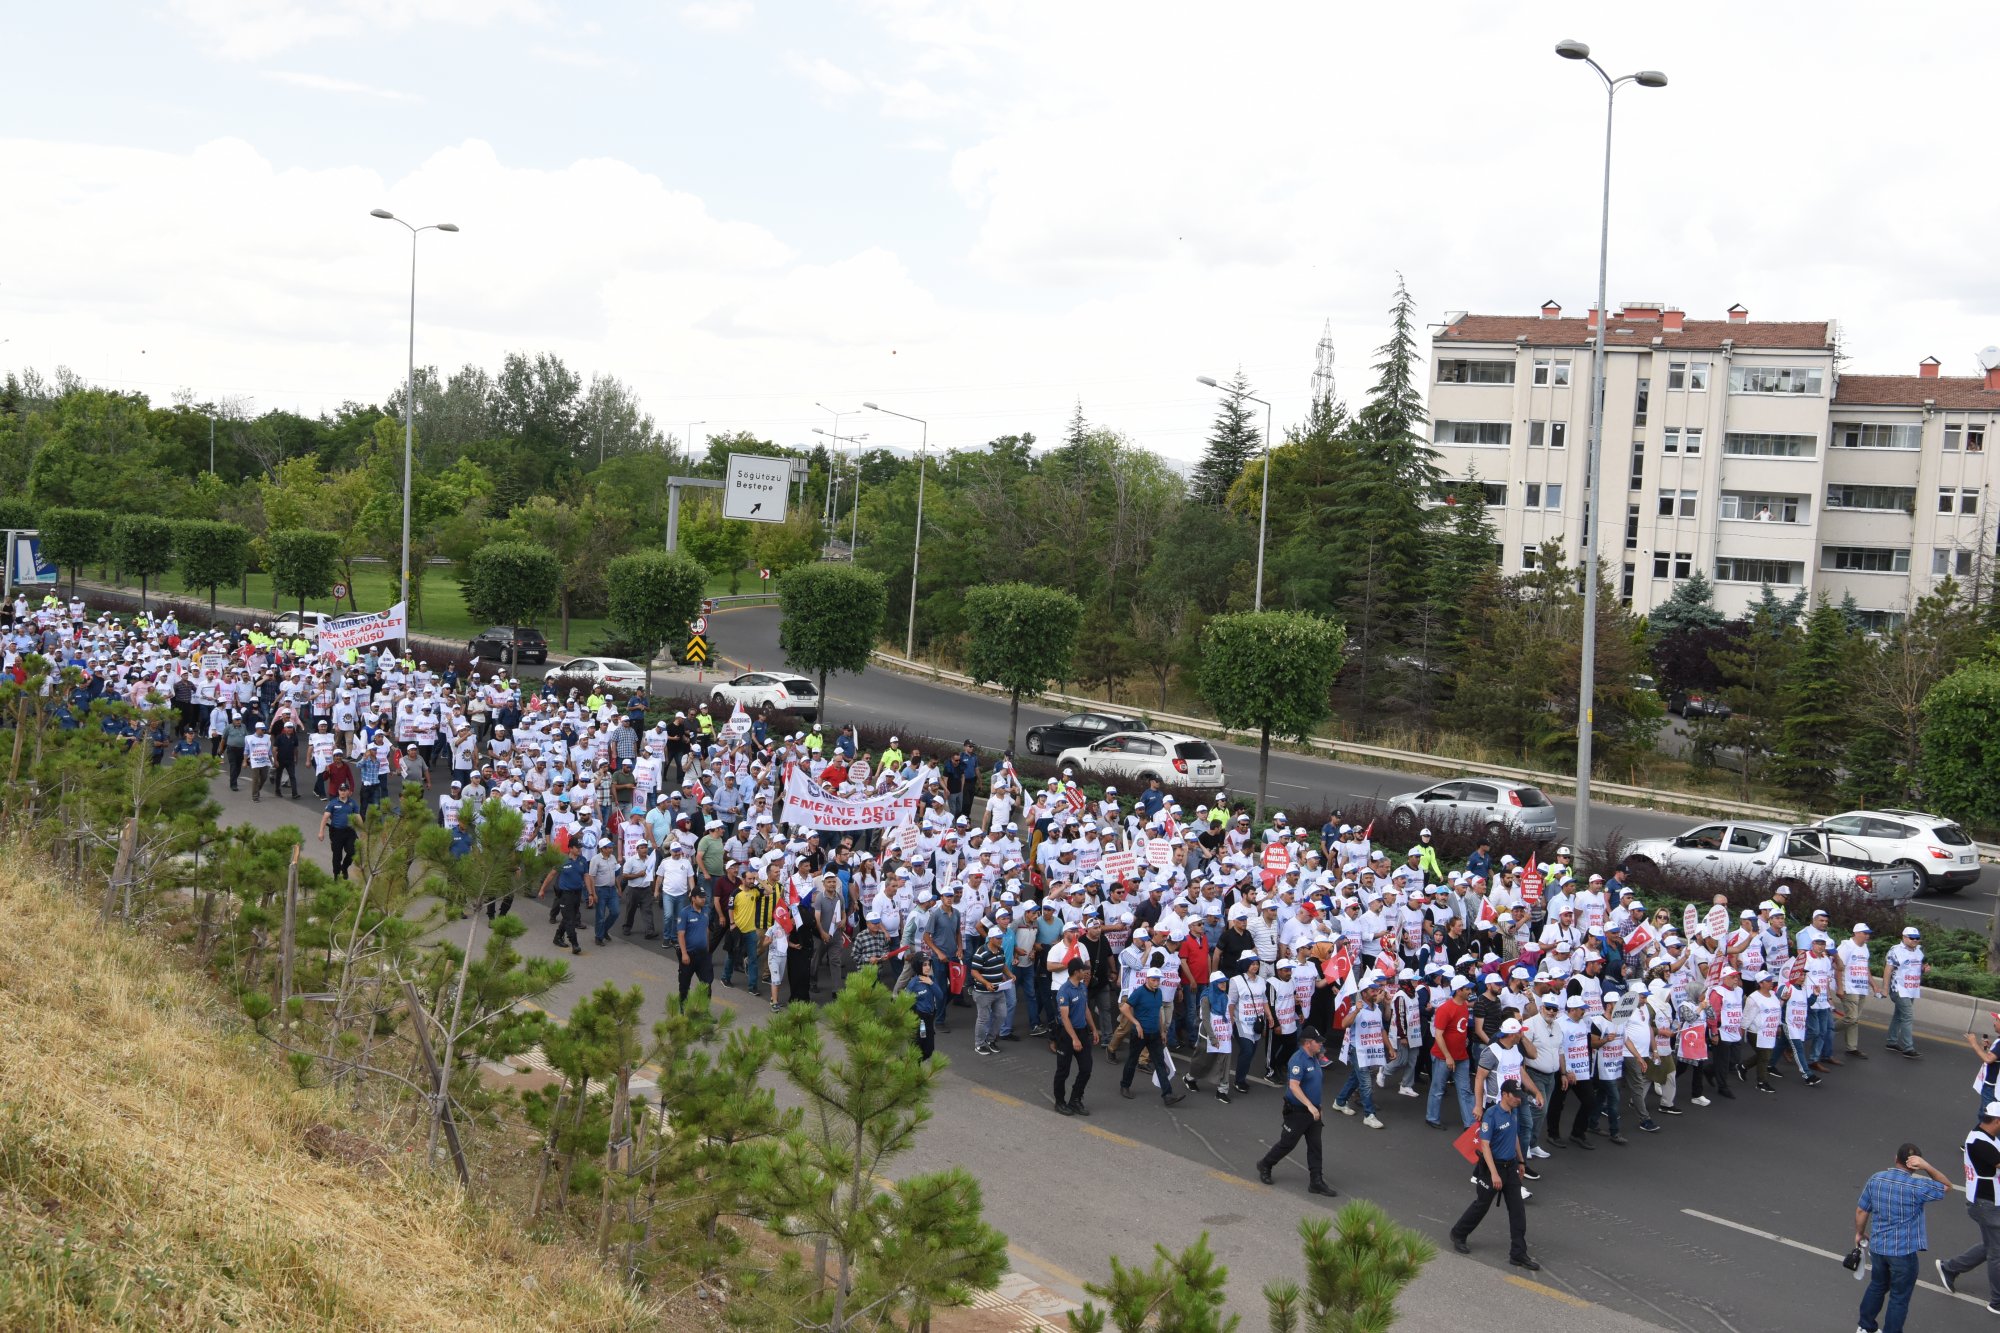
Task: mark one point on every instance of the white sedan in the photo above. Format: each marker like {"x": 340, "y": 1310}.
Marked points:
{"x": 755, "y": 689}
{"x": 598, "y": 673}
{"x": 1139, "y": 756}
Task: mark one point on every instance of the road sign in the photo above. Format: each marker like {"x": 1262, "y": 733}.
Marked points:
{"x": 764, "y": 574}
{"x": 756, "y": 488}
{"x": 697, "y": 650}
{"x": 339, "y": 592}
{"x": 699, "y": 627}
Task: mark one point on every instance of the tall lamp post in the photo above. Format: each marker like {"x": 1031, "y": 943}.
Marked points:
{"x": 687, "y": 439}
{"x": 1593, "y": 458}
{"x": 917, "y": 551}
{"x": 1263, "y": 504}
{"x": 409, "y": 400}
{"x": 832, "y": 516}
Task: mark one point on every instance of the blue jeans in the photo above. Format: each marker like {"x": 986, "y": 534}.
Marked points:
{"x": 1459, "y": 1073}
{"x": 607, "y": 912}
{"x": 1608, "y": 1092}
{"x": 1893, "y": 1276}
{"x": 1023, "y": 996}
{"x": 1902, "y": 1026}
{"x": 1532, "y": 1113}
{"x": 1819, "y": 1034}
{"x": 1402, "y": 1069}
{"x": 1360, "y": 1081}
{"x": 752, "y": 959}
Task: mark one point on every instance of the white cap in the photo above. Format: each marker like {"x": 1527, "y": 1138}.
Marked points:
{"x": 1154, "y": 974}
{"x": 1509, "y": 1027}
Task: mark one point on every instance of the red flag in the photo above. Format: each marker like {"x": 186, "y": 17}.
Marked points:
{"x": 1344, "y": 1001}
{"x": 1368, "y": 834}
{"x": 1638, "y": 938}
{"x": 1487, "y": 916}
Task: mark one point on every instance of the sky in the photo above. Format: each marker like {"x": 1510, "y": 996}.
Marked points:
{"x": 761, "y": 214}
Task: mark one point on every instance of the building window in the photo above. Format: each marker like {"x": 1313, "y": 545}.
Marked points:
{"x": 1774, "y": 379}
{"x": 1763, "y": 508}
{"x": 1558, "y": 434}
{"x": 1640, "y": 400}
{"x": 1947, "y": 561}
{"x": 1885, "y": 499}
{"x": 1872, "y": 435}
{"x": 1493, "y": 433}
{"x": 1555, "y": 434}
{"x": 1698, "y": 375}
{"x": 1877, "y": 622}
{"x": 1749, "y": 444}
{"x": 1544, "y": 495}
{"x": 1552, "y": 370}
{"x": 1682, "y": 440}
{"x": 1741, "y": 569}
{"x": 1531, "y": 558}
{"x": 1625, "y": 583}
{"x": 1866, "y": 559}
{"x": 1677, "y": 564}
{"x": 1677, "y": 372}
{"x": 1475, "y": 372}
{"x": 1638, "y": 465}
{"x": 1677, "y": 504}
{"x": 1956, "y": 500}
{"x": 1975, "y": 439}
{"x": 1631, "y": 527}
{"x": 1952, "y": 431}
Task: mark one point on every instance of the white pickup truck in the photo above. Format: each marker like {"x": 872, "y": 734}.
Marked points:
{"x": 1793, "y": 855}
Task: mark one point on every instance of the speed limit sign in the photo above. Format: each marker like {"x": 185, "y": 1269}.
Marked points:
{"x": 339, "y": 591}
{"x": 699, "y": 625}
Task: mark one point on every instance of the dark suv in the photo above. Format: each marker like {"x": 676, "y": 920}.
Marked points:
{"x": 510, "y": 644}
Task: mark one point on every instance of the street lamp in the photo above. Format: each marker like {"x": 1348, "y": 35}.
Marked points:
{"x": 917, "y": 552}
{"x": 1264, "y": 503}
{"x": 687, "y": 439}
{"x": 1593, "y": 458}
{"x": 409, "y": 400}
{"x": 832, "y": 515}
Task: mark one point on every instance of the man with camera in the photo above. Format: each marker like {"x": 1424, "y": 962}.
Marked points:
{"x": 1889, "y": 1220}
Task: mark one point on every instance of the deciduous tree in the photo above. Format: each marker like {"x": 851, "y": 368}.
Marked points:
{"x": 142, "y": 544}
{"x": 1020, "y": 637}
{"x": 510, "y": 583}
{"x": 652, "y": 596}
{"x": 211, "y": 554}
{"x": 831, "y": 618}
{"x": 1271, "y": 672}
{"x": 303, "y": 563}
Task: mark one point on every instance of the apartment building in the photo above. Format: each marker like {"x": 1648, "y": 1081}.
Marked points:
{"x": 1730, "y": 446}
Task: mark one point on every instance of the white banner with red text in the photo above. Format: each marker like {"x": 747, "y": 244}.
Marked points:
{"x": 337, "y": 636}
{"x": 809, "y": 805}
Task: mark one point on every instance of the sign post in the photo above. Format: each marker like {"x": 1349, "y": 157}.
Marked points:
{"x": 757, "y": 489}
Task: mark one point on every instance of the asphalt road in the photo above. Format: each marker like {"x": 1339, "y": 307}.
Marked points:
{"x": 746, "y": 639}
{"x": 1731, "y": 1219}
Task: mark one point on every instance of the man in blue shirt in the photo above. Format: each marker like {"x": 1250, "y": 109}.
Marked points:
{"x": 572, "y": 881}
{"x": 336, "y": 825}
{"x": 1890, "y": 1215}
{"x": 1075, "y": 1036}
{"x": 1142, "y": 1010}
{"x": 692, "y": 932}
{"x": 1497, "y": 1173}
{"x": 1304, "y": 1114}
{"x": 1480, "y": 863}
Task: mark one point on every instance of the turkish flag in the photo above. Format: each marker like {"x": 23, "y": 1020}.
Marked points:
{"x": 1639, "y": 938}
{"x": 1487, "y": 916}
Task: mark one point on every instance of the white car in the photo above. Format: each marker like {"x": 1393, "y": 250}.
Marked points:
{"x": 1751, "y": 851}
{"x": 755, "y": 689}
{"x": 1139, "y": 756}
{"x": 1938, "y": 850}
{"x": 293, "y": 625}
{"x": 614, "y": 674}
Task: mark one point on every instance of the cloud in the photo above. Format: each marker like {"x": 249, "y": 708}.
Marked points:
{"x": 324, "y": 83}
{"x": 716, "y": 15}
{"x": 258, "y": 29}
{"x": 574, "y": 59}
{"x": 831, "y": 81}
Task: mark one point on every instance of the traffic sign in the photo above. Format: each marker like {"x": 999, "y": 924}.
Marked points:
{"x": 697, "y": 650}
{"x": 339, "y": 591}
{"x": 699, "y": 626}
{"x": 764, "y": 574}
{"x": 756, "y": 488}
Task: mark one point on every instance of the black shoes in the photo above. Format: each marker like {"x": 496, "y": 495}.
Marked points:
{"x": 1460, "y": 1246}
{"x": 1322, "y": 1188}
{"x": 1126, "y": 1093}
{"x": 1584, "y": 1144}
{"x": 1264, "y": 1174}
{"x": 1672, "y": 1110}
{"x": 1078, "y": 1108}
{"x": 1176, "y": 1099}
{"x": 1062, "y": 1108}
{"x": 1525, "y": 1262}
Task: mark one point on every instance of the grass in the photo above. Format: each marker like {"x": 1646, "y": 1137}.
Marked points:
{"x": 444, "y": 614}
{"x": 153, "y": 1173}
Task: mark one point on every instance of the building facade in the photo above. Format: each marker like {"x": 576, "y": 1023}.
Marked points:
{"x": 1732, "y": 447}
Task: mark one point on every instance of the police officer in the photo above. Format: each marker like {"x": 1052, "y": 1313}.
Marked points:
{"x": 336, "y": 824}
{"x": 1074, "y": 1038}
{"x": 571, "y": 880}
{"x": 1304, "y": 1114}
{"x": 1498, "y": 1176}
{"x": 692, "y": 932}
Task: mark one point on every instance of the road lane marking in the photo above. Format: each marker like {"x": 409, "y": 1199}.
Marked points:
{"x": 1813, "y": 1249}
{"x": 1544, "y": 1289}
{"x": 1238, "y": 1181}
{"x": 1000, "y": 1097}
{"x": 1109, "y": 1137}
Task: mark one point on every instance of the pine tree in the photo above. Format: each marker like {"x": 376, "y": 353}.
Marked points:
{"x": 1180, "y": 1293}
{"x": 1815, "y": 704}
{"x": 1233, "y": 441}
{"x": 1357, "y": 1264}
{"x": 1783, "y": 612}
{"x": 1690, "y": 606}
{"x": 1392, "y": 422}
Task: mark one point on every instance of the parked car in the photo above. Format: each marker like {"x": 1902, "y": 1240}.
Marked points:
{"x": 509, "y": 644}
{"x": 297, "y": 625}
{"x": 1501, "y": 807}
{"x": 1801, "y": 855}
{"x": 1078, "y": 729}
{"x": 1941, "y": 853}
{"x": 1140, "y": 756}
{"x": 613, "y": 675}
{"x": 1692, "y": 704}
{"x": 755, "y": 689}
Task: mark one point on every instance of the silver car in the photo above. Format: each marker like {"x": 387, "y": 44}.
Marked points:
{"x": 1497, "y": 806}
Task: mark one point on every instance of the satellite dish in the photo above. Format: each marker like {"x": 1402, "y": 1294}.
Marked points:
{"x": 1989, "y": 357}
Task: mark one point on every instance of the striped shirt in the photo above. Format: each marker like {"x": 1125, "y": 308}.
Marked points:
{"x": 990, "y": 965}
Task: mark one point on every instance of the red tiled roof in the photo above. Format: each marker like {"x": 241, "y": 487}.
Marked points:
{"x": 1948, "y": 391}
{"x": 1707, "y": 333}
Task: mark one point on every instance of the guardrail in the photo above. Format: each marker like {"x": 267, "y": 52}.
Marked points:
{"x": 1617, "y": 791}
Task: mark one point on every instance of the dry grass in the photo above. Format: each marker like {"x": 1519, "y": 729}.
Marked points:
{"x": 154, "y": 1172}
